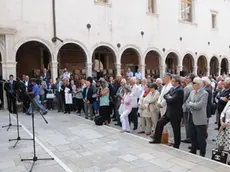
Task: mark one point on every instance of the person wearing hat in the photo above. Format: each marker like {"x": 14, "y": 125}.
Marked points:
{"x": 125, "y": 109}
{"x": 35, "y": 95}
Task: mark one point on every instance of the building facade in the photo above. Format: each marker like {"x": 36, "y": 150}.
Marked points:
{"x": 179, "y": 36}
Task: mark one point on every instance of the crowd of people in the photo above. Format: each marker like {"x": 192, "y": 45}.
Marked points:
{"x": 163, "y": 105}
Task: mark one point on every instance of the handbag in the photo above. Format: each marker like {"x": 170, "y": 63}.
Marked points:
{"x": 220, "y": 156}
{"x": 50, "y": 96}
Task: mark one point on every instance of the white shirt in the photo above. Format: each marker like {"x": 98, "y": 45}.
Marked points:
{"x": 161, "y": 99}
{"x": 134, "y": 95}
{"x": 26, "y": 84}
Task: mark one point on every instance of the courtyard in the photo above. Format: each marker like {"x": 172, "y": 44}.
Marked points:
{"x": 77, "y": 145}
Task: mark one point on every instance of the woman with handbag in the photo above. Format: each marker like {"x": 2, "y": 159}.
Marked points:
{"x": 74, "y": 91}
{"x": 50, "y": 95}
{"x": 223, "y": 137}
{"x": 66, "y": 90}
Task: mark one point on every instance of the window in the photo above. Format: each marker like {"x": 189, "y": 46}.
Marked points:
{"x": 213, "y": 20}
{"x": 187, "y": 10}
{"x": 152, "y": 6}
{"x": 103, "y": 1}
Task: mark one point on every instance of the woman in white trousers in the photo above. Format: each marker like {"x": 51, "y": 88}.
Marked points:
{"x": 125, "y": 109}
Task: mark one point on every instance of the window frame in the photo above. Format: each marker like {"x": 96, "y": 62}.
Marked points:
{"x": 214, "y": 13}
{"x": 184, "y": 4}
{"x": 108, "y": 3}
{"x": 152, "y": 6}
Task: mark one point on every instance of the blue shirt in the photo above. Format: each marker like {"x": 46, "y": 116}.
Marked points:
{"x": 36, "y": 90}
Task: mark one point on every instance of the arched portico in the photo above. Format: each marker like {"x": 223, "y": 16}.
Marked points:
{"x": 104, "y": 60}
{"x": 188, "y": 64}
{"x": 202, "y": 68}
{"x": 214, "y": 66}
{"x": 34, "y": 53}
{"x": 224, "y": 67}
{"x": 131, "y": 58}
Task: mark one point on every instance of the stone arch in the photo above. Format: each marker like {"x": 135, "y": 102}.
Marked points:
{"x": 188, "y": 62}
{"x": 172, "y": 61}
{"x": 73, "y": 57}
{"x": 131, "y": 46}
{"x": 214, "y": 65}
{"x": 155, "y": 50}
{"x": 109, "y": 46}
{"x": 224, "y": 66}
{"x": 34, "y": 53}
{"x": 202, "y": 63}
{"x": 153, "y": 61}
{"x": 70, "y": 41}
{"x": 104, "y": 58}
{"x": 130, "y": 57}
{"x": 30, "y": 39}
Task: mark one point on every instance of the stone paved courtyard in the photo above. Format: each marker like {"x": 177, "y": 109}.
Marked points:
{"x": 79, "y": 146}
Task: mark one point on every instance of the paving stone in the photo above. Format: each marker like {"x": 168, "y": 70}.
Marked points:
{"x": 115, "y": 169}
{"x": 128, "y": 157}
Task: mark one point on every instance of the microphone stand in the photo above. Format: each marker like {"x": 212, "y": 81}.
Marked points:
{"x": 18, "y": 136}
{"x": 35, "y": 158}
{"x": 3, "y": 82}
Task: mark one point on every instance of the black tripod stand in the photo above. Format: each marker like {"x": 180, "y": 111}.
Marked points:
{"x": 35, "y": 158}
{"x": 3, "y": 82}
{"x": 18, "y": 134}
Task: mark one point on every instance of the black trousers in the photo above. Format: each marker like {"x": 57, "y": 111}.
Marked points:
{"x": 80, "y": 105}
{"x": 50, "y": 104}
{"x": 67, "y": 108}
{"x": 60, "y": 101}
{"x": 198, "y": 136}
{"x": 12, "y": 103}
{"x": 133, "y": 117}
{"x": 176, "y": 129}
{"x": 105, "y": 113}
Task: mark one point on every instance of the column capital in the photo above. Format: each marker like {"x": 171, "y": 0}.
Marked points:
{"x": 117, "y": 65}
{"x": 9, "y": 63}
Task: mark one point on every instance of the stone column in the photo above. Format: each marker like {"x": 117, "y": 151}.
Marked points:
{"x": 118, "y": 69}
{"x": 162, "y": 70}
{"x": 207, "y": 70}
{"x": 8, "y": 68}
{"x": 179, "y": 69}
{"x": 88, "y": 69}
{"x": 142, "y": 70}
{"x": 54, "y": 70}
{"x": 195, "y": 69}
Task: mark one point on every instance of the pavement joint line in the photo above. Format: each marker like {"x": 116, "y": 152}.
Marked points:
{"x": 133, "y": 135}
{"x": 63, "y": 165}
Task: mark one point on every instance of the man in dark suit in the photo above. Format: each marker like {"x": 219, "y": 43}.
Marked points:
{"x": 46, "y": 76}
{"x": 11, "y": 90}
{"x": 174, "y": 99}
{"x": 26, "y": 86}
{"x": 223, "y": 97}
{"x": 88, "y": 100}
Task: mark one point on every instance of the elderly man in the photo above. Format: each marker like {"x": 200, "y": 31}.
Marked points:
{"x": 174, "y": 99}
{"x": 134, "y": 96}
{"x": 88, "y": 100}
{"x": 159, "y": 83}
{"x": 119, "y": 92}
{"x": 197, "y": 105}
{"x": 163, "y": 106}
{"x": 187, "y": 91}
